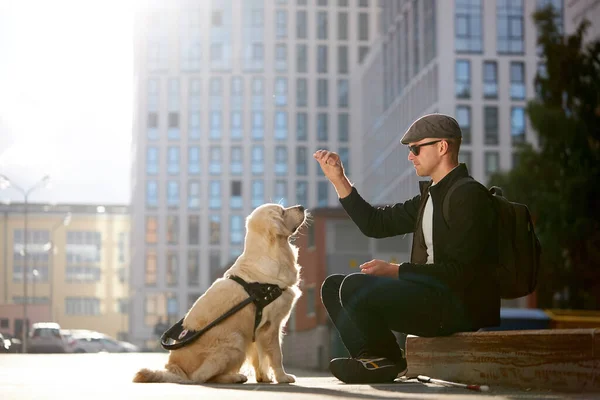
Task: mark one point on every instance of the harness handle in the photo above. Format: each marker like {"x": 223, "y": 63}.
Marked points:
{"x": 177, "y": 329}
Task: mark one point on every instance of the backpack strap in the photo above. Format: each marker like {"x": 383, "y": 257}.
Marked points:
{"x": 446, "y": 203}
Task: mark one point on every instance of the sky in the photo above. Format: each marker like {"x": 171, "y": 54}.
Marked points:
{"x": 66, "y": 79}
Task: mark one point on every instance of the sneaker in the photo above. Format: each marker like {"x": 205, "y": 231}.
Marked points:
{"x": 367, "y": 370}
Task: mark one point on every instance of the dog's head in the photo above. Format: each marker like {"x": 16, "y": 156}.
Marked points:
{"x": 274, "y": 221}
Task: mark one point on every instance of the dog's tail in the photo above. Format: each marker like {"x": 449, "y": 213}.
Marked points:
{"x": 173, "y": 374}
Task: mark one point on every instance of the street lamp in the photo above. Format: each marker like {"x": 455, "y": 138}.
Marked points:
{"x": 5, "y": 183}
{"x": 51, "y": 249}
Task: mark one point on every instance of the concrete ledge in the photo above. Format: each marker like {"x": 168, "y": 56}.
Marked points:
{"x": 557, "y": 359}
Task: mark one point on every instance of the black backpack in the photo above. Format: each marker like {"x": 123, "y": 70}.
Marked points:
{"x": 518, "y": 246}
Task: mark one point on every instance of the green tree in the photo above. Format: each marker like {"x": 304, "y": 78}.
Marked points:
{"x": 560, "y": 178}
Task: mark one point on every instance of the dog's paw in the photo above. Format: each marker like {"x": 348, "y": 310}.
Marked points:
{"x": 240, "y": 378}
{"x": 286, "y": 378}
{"x": 263, "y": 378}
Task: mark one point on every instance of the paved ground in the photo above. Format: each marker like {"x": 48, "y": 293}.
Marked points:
{"x": 108, "y": 376}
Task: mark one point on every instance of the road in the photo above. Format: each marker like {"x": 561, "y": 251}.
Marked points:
{"x": 108, "y": 376}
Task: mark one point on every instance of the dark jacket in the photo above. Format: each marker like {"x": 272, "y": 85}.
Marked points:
{"x": 465, "y": 252}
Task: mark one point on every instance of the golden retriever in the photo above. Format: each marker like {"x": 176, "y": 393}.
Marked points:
{"x": 218, "y": 354}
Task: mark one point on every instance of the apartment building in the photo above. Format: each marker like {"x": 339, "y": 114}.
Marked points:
{"x": 232, "y": 98}
{"x": 76, "y": 259}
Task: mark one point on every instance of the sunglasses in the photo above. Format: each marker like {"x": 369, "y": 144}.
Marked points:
{"x": 417, "y": 147}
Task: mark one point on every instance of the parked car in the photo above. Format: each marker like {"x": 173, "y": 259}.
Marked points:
{"x": 15, "y": 343}
{"x": 45, "y": 337}
{"x": 5, "y": 344}
{"x": 95, "y": 342}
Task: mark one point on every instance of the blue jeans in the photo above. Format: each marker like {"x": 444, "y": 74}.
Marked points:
{"x": 365, "y": 309}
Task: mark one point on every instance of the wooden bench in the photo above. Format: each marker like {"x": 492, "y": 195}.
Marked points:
{"x": 557, "y": 359}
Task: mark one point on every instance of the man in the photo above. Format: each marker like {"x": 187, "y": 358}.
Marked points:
{"x": 446, "y": 287}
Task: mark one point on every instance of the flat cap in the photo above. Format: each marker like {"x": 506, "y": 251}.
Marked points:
{"x": 437, "y": 126}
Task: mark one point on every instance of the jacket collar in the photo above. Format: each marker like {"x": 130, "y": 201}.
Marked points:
{"x": 443, "y": 185}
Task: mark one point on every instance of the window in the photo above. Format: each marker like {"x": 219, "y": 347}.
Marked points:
{"x": 214, "y": 200}
{"x": 172, "y": 229}
{"x": 258, "y": 192}
{"x": 322, "y": 194}
{"x": 301, "y": 25}
{"x": 416, "y": 37}
{"x": 281, "y": 157}
{"x": 172, "y": 268}
{"x": 302, "y": 127}
{"x": 214, "y": 166}
{"x": 343, "y": 127}
{"x": 517, "y": 125}
{"x": 237, "y": 92}
{"x": 151, "y": 229}
{"x": 82, "y": 306}
{"x": 362, "y": 53}
{"x": 302, "y": 193}
{"x": 281, "y": 125}
{"x": 342, "y": 24}
{"x": 194, "y": 160}
{"x": 173, "y": 194}
{"x": 301, "y": 58}
{"x": 322, "y": 25}
{"x": 258, "y": 92}
{"x": 464, "y": 156}
{"x": 281, "y": 24}
{"x": 193, "y": 195}
{"x": 301, "y": 92}
{"x": 281, "y": 192}
{"x": 463, "y": 117}
{"x": 490, "y": 80}
{"x": 173, "y": 128}
{"x": 152, "y": 161}
{"x": 510, "y": 26}
{"x": 363, "y": 26}
{"x": 235, "y": 201}
{"x": 490, "y": 116}
{"x": 152, "y": 117}
{"x": 322, "y": 59}
{"x": 280, "y": 91}
{"x": 322, "y": 93}
{"x": 215, "y": 229}
{"x": 429, "y": 38}
{"x": 236, "y": 229}
{"x": 301, "y": 161}
{"x": 492, "y": 162}
{"x": 463, "y": 79}
{"x": 468, "y": 26}
{"x": 343, "y": 93}
{"x": 237, "y": 160}
{"x": 151, "y": 270}
{"x": 345, "y": 158}
{"x": 173, "y": 160}
{"x": 258, "y": 160}
{"x": 193, "y": 268}
{"x": 258, "y": 125}
{"x": 151, "y": 194}
{"x": 342, "y": 59}
{"x": 281, "y": 57}
{"x": 322, "y": 127}
{"x": 517, "y": 80}
{"x": 236, "y": 125}
{"x": 215, "y": 124}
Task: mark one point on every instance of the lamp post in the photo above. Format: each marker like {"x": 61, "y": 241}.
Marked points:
{"x": 4, "y": 183}
{"x": 35, "y": 274}
{"x": 51, "y": 249}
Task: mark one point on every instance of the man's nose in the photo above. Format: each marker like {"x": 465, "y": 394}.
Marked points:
{"x": 411, "y": 156}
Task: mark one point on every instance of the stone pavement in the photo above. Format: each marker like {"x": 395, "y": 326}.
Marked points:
{"x": 108, "y": 376}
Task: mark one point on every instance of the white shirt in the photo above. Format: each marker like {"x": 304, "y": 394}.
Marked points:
{"x": 428, "y": 228}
